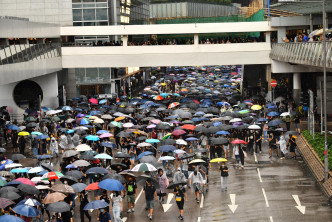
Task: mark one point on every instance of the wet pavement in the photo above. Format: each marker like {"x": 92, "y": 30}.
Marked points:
{"x": 262, "y": 191}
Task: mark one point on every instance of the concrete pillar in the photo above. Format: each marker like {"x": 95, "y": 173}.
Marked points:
{"x": 296, "y": 86}
{"x": 268, "y": 37}
{"x": 281, "y": 34}
{"x": 196, "y": 39}
{"x": 124, "y": 40}
{"x": 268, "y": 80}
{"x": 311, "y": 24}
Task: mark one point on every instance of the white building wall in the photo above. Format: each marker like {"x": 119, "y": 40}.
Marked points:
{"x": 48, "y": 11}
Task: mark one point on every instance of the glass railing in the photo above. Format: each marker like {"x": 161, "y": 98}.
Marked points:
{"x": 10, "y": 54}
{"x": 306, "y": 53}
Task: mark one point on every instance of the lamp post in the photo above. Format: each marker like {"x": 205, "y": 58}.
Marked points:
{"x": 326, "y": 160}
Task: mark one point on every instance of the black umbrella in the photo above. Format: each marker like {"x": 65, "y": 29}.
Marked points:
{"x": 219, "y": 141}
{"x": 116, "y": 165}
{"x": 17, "y": 156}
{"x": 58, "y": 207}
{"x": 115, "y": 176}
{"x": 123, "y": 134}
{"x": 74, "y": 173}
{"x": 97, "y": 170}
{"x": 87, "y": 157}
{"x": 11, "y": 195}
{"x": 174, "y": 185}
{"x": 29, "y": 189}
{"x": 31, "y": 125}
{"x": 187, "y": 156}
{"x": 70, "y": 179}
{"x": 202, "y": 150}
{"x": 141, "y": 181}
{"x": 167, "y": 142}
{"x": 79, "y": 187}
{"x": 8, "y": 189}
{"x": 122, "y": 155}
{"x": 47, "y": 167}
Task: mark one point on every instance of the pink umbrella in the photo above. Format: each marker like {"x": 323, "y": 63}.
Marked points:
{"x": 128, "y": 125}
{"x": 178, "y": 132}
{"x": 151, "y": 126}
{"x": 105, "y": 135}
{"x": 26, "y": 181}
{"x": 93, "y": 101}
{"x": 156, "y": 121}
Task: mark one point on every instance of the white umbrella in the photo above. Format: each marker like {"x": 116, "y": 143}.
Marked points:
{"x": 36, "y": 170}
{"x": 107, "y": 116}
{"x": 42, "y": 187}
{"x": 181, "y": 142}
{"x": 144, "y": 144}
{"x": 39, "y": 179}
{"x": 166, "y": 158}
{"x": 52, "y": 112}
{"x": 255, "y": 127}
{"x": 81, "y": 128}
{"x": 128, "y": 125}
{"x": 285, "y": 114}
{"x": 22, "y": 127}
{"x": 235, "y": 120}
{"x": 82, "y": 148}
{"x": 70, "y": 120}
{"x": 179, "y": 151}
{"x": 13, "y": 165}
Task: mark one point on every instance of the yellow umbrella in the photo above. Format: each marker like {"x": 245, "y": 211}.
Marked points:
{"x": 23, "y": 133}
{"x": 218, "y": 160}
{"x": 119, "y": 118}
{"x": 163, "y": 84}
{"x": 256, "y": 107}
{"x": 197, "y": 161}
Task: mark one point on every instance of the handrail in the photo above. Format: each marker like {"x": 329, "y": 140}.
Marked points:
{"x": 305, "y": 53}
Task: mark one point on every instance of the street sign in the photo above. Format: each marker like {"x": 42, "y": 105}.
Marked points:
{"x": 273, "y": 83}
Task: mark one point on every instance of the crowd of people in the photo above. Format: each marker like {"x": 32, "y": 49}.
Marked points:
{"x": 165, "y": 140}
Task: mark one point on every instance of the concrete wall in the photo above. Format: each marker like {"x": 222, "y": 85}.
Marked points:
{"x": 49, "y": 85}
{"x": 284, "y": 67}
{"x": 48, "y": 11}
{"x": 25, "y": 70}
{"x": 67, "y": 78}
{"x": 166, "y": 55}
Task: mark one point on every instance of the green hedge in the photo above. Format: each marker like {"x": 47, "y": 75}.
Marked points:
{"x": 318, "y": 145}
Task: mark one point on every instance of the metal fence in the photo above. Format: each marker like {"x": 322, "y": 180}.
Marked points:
{"x": 10, "y": 54}
{"x": 306, "y": 53}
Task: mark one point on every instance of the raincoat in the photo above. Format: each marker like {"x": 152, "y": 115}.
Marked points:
{"x": 163, "y": 183}
{"x": 54, "y": 146}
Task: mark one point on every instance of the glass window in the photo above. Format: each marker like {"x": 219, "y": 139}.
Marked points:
{"x": 101, "y": 23}
{"x": 77, "y": 14}
{"x": 88, "y": 0}
{"x": 77, "y": 5}
{"x": 80, "y": 74}
{"x": 101, "y": 5}
{"x": 78, "y": 23}
{"x": 89, "y": 23}
{"x": 91, "y": 74}
{"x": 75, "y": 1}
{"x": 101, "y": 14}
{"x": 104, "y": 74}
{"x": 88, "y": 5}
{"x": 89, "y": 14}
{"x": 101, "y": 0}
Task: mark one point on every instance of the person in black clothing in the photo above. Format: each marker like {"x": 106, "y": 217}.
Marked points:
{"x": 131, "y": 194}
{"x": 106, "y": 199}
{"x": 84, "y": 201}
{"x": 292, "y": 145}
{"x": 150, "y": 194}
{"x": 224, "y": 175}
{"x": 258, "y": 141}
{"x": 126, "y": 162}
{"x": 272, "y": 144}
{"x": 180, "y": 196}
{"x": 21, "y": 142}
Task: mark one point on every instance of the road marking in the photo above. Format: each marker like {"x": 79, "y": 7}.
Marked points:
{"x": 271, "y": 218}
{"x": 232, "y": 207}
{"x": 139, "y": 195}
{"x": 202, "y": 201}
{"x": 259, "y": 175}
{"x": 266, "y": 201}
{"x": 299, "y": 206}
{"x": 124, "y": 219}
{"x": 168, "y": 205}
{"x": 256, "y": 161}
{"x": 199, "y": 219}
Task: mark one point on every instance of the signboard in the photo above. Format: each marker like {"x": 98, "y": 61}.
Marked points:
{"x": 273, "y": 83}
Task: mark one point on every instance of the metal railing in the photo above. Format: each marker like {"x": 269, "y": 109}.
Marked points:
{"x": 305, "y": 53}
{"x": 10, "y": 54}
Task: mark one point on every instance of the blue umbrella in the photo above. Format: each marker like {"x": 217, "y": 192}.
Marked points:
{"x": 144, "y": 154}
{"x": 10, "y": 218}
{"x": 79, "y": 187}
{"x": 13, "y": 182}
{"x": 78, "y": 109}
{"x": 36, "y": 133}
{"x": 19, "y": 170}
{"x": 111, "y": 185}
{"x": 68, "y": 108}
{"x": 262, "y": 120}
{"x": 26, "y": 210}
{"x": 164, "y": 95}
{"x": 94, "y": 112}
{"x": 217, "y": 123}
{"x": 103, "y": 101}
{"x": 92, "y": 138}
{"x": 13, "y": 127}
{"x": 96, "y": 204}
{"x": 42, "y": 137}
{"x": 102, "y": 132}
{"x": 191, "y": 139}
{"x": 109, "y": 145}
{"x": 273, "y": 114}
{"x": 222, "y": 133}
{"x": 167, "y": 148}
{"x": 70, "y": 131}
{"x": 276, "y": 122}
{"x": 152, "y": 141}
{"x": 71, "y": 166}
{"x": 97, "y": 170}
{"x": 43, "y": 157}
{"x": 196, "y": 119}
{"x": 30, "y": 202}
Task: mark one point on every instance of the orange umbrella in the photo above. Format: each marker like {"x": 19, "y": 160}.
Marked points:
{"x": 92, "y": 186}
{"x": 188, "y": 127}
{"x": 184, "y": 90}
{"x": 119, "y": 118}
{"x": 172, "y": 105}
{"x": 158, "y": 98}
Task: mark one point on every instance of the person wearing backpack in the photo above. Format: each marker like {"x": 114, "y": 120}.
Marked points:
{"x": 196, "y": 181}
{"x": 131, "y": 194}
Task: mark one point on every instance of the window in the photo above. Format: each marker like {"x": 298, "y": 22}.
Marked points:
{"x": 89, "y": 14}
{"x": 101, "y": 14}
{"x": 77, "y": 14}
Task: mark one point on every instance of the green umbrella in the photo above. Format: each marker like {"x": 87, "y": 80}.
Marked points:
{"x": 2, "y": 182}
{"x": 244, "y": 111}
{"x": 55, "y": 119}
{"x": 117, "y": 124}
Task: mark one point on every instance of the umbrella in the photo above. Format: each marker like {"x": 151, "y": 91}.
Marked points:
{"x": 82, "y": 148}
{"x": 47, "y": 167}
{"x": 69, "y": 153}
{"x": 167, "y": 148}
{"x": 58, "y": 207}
{"x": 111, "y": 185}
{"x": 4, "y": 202}
{"x": 97, "y": 170}
{"x": 256, "y": 107}
{"x": 219, "y": 140}
{"x": 178, "y": 132}
{"x": 218, "y": 160}
{"x": 17, "y": 157}
{"x": 10, "y": 195}
{"x": 10, "y": 218}
{"x": 70, "y": 179}
{"x": 74, "y": 173}
{"x": 26, "y": 210}
{"x": 8, "y": 189}
{"x": 81, "y": 163}
{"x": 103, "y": 156}
{"x": 197, "y": 161}
{"x": 19, "y": 170}
{"x": 238, "y": 142}
{"x": 30, "y": 202}
{"x": 115, "y": 176}
{"x": 108, "y": 145}
{"x": 54, "y": 197}
{"x": 26, "y": 181}
{"x": 2, "y": 150}
{"x": 174, "y": 185}
{"x": 79, "y": 187}
{"x": 61, "y": 188}
{"x": 28, "y": 189}
{"x": 23, "y": 133}
{"x": 96, "y": 204}
{"x": 92, "y": 186}
{"x": 54, "y": 175}
{"x": 122, "y": 155}
{"x": 36, "y": 170}
{"x": 255, "y": 127}
{"x": 166, "y": 158}
{"x": 141, "y": 181}
{"x": 147, "y": 153}
{"x": 142, "y": 167}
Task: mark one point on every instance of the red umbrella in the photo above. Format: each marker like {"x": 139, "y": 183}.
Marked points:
{"x": 92, "y": 186}
{"x": 26, "y": 181}
{"x": 188, "y": 127}
{"x": 178, "y": 132}
{"x": 93, "y": 101}
{"x": 234, "y": 73}
{"x": 196, "y": 101}
{"x": 238, "y": 142}
{"x": 158, "y": 98}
